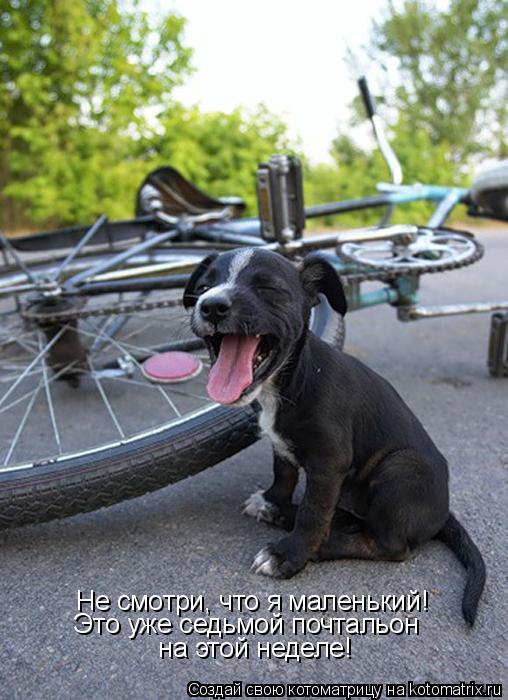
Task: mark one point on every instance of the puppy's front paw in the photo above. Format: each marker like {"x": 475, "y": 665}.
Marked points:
{"x": 256, "y": 506}
{"x": 275, "y": 560}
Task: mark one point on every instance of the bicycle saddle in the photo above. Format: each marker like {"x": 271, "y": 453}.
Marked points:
{"x": 165, "y": 189}
{"x": 489, "y": 190}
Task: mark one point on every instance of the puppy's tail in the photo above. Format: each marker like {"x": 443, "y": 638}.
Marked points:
{"x": 454, "y": 535}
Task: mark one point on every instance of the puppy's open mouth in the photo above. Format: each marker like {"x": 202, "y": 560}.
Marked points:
{"x": 238, "y": 363}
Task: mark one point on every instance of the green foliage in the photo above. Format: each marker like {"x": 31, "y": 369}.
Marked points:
{"x": 87, "y": 109}
{"x": 78, "y": 82}
{"x": 452, "y": 67}
{"x": 219, "y": 152}
{"x": 448, "y": 104}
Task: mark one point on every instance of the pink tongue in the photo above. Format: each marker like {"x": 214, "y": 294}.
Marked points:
{"x": 232, "y": 372}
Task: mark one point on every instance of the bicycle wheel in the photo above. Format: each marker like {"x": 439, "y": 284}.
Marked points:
{"x": 146, "y": 450}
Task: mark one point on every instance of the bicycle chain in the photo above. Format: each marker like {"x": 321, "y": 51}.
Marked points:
{"x": 378, "y": 274}
{"x": 106, "y": 310}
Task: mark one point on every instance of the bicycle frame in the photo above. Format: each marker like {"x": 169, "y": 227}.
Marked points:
{"x": 162, "y": 229}
{"x": 401, "y": 292}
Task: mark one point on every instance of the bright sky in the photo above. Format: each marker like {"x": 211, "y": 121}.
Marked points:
{"x": 288, "y": 54}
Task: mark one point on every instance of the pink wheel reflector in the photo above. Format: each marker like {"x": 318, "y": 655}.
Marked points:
{"x": 171, "y": 367}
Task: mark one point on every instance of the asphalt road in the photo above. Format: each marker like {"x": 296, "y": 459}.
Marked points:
{"x": 190, "y": 538}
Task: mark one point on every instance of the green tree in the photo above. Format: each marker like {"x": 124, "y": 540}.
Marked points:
{"x": 445, "y": 98}
{"x": 86, "y": 110}
{"x": 451, "y": 64}
{"x": 218, "y": 151}
{"x": 80, "y": 81}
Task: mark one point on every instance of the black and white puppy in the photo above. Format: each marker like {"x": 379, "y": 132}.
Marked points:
{"x": 376, "y": 485}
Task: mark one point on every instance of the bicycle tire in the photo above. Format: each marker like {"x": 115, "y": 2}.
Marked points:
{"x": 78, "y": 484}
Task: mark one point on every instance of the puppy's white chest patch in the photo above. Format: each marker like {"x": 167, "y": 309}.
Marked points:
{"x": 266, "y": 421}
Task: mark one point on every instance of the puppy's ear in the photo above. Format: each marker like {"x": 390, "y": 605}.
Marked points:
{"x": 189, "y": 293}
{"x": 319, "y": 276}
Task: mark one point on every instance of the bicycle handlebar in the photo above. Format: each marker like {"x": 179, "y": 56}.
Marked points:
{"x": 367, "y": 97}
{"x": 379, "y": 133}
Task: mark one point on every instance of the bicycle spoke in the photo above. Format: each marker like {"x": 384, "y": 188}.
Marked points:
{"x": 148, "y": 350}
{"x": 13, "y": 378}
{"x": 127, "y": 346}
{"x": 32, "y": 364}
{"x": 18, "y": 341}
{"x": 136, "y": 347}
{"x": 22, "y": 424}
{"x": 12, "y": 365}
{"x": 138, "y": 365}
{"x": 108, "y": 340}
{"x": 104, "y": 397}
{"x": 148, "y": 385}
{"x": 49, "y": 398}
{"x": 112, "y": 325}
{"x": 137, "y": 331}
{"x": 12, "y": 334}
{"x": 29, "y": 393}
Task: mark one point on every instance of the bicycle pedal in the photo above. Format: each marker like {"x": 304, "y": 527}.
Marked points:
{"x": 498, "y": 345}
{"x": 280, "y": 198}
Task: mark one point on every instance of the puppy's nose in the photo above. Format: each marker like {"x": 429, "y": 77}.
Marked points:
{"x": 216, "y": 308}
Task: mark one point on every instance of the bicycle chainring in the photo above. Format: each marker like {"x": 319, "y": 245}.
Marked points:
{"x": 433, "y": 251}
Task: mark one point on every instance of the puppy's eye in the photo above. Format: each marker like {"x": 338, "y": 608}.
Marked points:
{"x": 266, "y": 290}
{"x": 202, "y": 289}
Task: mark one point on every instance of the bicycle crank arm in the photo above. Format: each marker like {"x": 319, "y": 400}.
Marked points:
{"x": 415, "y": 313}
{"x": 403, "y": 234}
